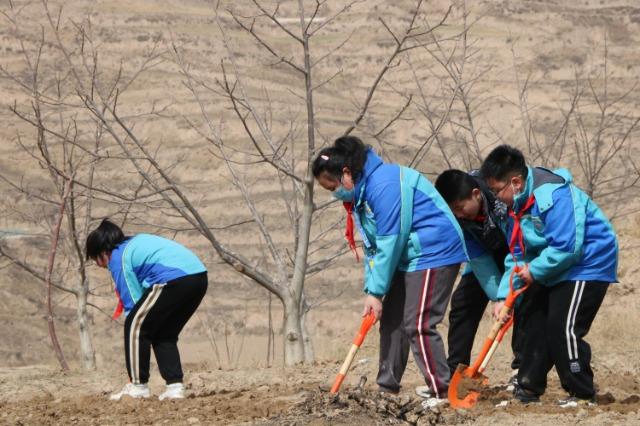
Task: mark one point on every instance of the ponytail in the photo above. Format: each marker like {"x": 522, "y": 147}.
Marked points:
{"x": 347, "y": 151}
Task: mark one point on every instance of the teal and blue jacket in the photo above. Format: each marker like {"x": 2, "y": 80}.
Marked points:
{"x": 404, "y": 223}
{"x": 145, "y": 260}
{"x": 485, "y": 242}
{"x": 566, "y": 235}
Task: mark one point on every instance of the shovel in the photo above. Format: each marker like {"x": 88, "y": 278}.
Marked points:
{"x": 367, "y": 322}
{"x": 467, "y": 382}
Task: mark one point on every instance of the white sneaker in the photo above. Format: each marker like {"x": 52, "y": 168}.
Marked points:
{"x": 513, "y": 381}
{"x": 433, "y": 402}
{"x": 134, "y": 391}
{"x": 173, "y": 391}
{"x": 573, "y": 402}
{"x": 424, "y": 391}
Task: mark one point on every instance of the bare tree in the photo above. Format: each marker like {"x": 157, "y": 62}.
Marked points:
{"x": 593, "y": 131}
{"x": 50, "y": 265}
{"x": 603, "y": 128}
{"x": 290, "y": 164}
{"x": 454, "y": 100}
{"x": 64, "y": 148}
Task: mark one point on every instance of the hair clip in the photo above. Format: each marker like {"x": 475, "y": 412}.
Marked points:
{"x": 325, "y": 157}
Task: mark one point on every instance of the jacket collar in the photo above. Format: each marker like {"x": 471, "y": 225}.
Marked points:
{"x": 372, "y": 162}
{"x": 522, "y": 197}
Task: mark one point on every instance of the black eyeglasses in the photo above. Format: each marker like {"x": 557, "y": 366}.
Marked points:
{"x": 496, "y": 193}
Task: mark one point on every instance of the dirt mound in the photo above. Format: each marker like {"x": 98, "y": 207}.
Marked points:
{"x": 383, "y": 408}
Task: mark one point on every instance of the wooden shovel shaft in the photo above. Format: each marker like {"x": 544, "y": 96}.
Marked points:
{"x": 499, "y": 329}
{"x": 367, "y": 322}
{"x": 495, "y": 344}
{"x": 491, "y": 343}
{"x": 345, "y": 367}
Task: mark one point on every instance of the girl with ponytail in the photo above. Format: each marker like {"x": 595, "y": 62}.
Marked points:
{"x": 412, "y": 248}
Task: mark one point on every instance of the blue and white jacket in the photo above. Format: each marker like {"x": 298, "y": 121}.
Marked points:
{"x": 566, "y": 235}
{"x": 404, "y": 223}
{"x": 146, "y": 260}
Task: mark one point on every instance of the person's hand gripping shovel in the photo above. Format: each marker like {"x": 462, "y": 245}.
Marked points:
{"x": 467, "y": 382}
{"x": 367, "y": 322}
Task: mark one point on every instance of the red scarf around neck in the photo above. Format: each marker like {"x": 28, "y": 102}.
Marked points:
{"x": 348, "y": 232}
{"x": 119, "y": 308}
{"x": 516, "y": 234}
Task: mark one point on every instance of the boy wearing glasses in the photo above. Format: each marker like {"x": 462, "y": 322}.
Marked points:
{"x": 567, "y": 250}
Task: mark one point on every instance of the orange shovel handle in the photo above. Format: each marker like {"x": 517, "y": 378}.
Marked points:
{"x": 510, "y": 301}
{"x": 365, "y": 326}
{"x": 499, "y": 329}
{"x": 495, "y": 335}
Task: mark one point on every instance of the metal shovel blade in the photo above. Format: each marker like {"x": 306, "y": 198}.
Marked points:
{"x": 465, "y": 387}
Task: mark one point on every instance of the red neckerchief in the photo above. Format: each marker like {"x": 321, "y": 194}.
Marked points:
{"x": 480, "y": 218}
{"x": 516, "y": 233}
{"x": 348, "y": 232}
{"x": 119, "y": 308}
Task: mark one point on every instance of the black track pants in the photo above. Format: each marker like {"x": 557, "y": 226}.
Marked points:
{"x": 156, "y": 321}
{"x": 556, "y": 320}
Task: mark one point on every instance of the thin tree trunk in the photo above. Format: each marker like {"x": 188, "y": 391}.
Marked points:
{"x": 52, "y": 257}
{"x": 293, "y": 339}
{"x": 294, "y": 336}
{"x": 309, "y": 353}
{"x": 87, "y": 353}
{"x": 270, "y": 335}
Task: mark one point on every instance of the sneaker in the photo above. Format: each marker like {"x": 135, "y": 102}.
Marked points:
{"x": 424, "y": 391}
{"x": 173, "y": 391}
{"x": 574, "y": 402}
{"x": 513, "y": 381}
{"x": 133, "y": 391}
{"x": 524, "y": 396}
{"x": 433, "y": 402}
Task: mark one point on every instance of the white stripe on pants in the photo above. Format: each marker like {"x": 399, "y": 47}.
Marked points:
{"x": 421, "y": 337}
{"x": 134, "y": 332}
{"x": 572, "y": 343}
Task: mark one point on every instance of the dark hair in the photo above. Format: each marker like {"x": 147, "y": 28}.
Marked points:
{"x": 455, "y": 185}
{"x": 105, "y": 238}
{"x": 504, "y": 162}
{"x": 347, "y": 151}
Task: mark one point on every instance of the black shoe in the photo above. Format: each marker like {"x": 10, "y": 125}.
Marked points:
{"x": 388, "y": 391}
{"x": 525, "y": 396}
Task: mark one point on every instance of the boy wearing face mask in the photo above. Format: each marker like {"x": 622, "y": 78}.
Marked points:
{"x": 413, "y": 250}
{"x": 478, "y": 212}
{"x": 563, "y": 245}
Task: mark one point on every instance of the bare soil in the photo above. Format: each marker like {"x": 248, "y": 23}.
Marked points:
{"x": 43, "y": 396}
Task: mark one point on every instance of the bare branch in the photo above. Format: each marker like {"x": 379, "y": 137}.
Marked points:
{"x": 274, "y": 19}
{"x": 400, "y": 44}
{"x": 263, "y": 43}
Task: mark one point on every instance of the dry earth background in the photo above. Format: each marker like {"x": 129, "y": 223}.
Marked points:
{"x": 551, "y": 39}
